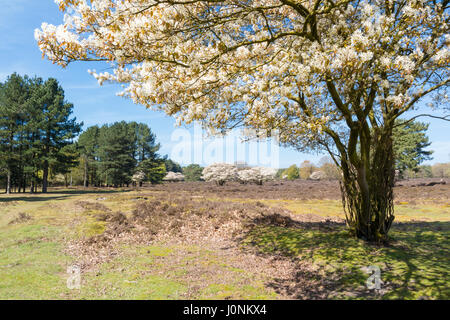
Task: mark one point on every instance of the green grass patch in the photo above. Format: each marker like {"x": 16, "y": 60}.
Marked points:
{"x": 230, "y": 291}
{"x": 91, "y": 228}
{"x": 32, "y": 263}
{"x": 415, "y": 266}
{"x": 133, "y": 275}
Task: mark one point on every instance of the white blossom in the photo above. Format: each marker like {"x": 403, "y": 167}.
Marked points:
{"x": 259, "y": 64}
{"x": 138, "y": 177}
{"x": 220, "y": 173}
{"x": 256, "y": 175}
{"x": 174, "y": 176}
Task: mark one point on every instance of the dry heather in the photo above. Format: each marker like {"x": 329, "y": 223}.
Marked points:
{"x": 221, "y": 220}
{"x": 208, "y": 224}
{"x": 407, "y": 190}
{"x": 203, "y": 213}
{"x": 216, "y": 225}
{"x": 299, "y": 189}
{"x": 183, "y": 219}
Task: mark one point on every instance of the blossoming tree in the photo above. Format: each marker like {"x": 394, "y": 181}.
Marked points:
{"x": 138, "y": 178}
{"x": 256, "y": 175}
{"x": 329, "y": 74}
{"x": 220, "y": 173}
{"x": 174, "y": 176}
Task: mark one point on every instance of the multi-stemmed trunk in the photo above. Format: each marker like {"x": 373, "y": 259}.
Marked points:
{"x": 367, "y": 186}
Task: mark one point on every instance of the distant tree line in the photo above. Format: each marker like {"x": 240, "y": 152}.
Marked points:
{"x": 121, "y": 154}
{"x": 331, "y": 172}
{"x": 38, "y": 143}
{"x": 36, "y": 133}
{"x": 110, "y": 155}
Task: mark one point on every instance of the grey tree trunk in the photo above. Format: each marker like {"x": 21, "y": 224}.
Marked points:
{"x": 85, "y": 183}
{"x": 8, "y": 182}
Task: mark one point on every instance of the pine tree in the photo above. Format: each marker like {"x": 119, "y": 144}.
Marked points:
{"x": 57, "y": 129}
{"x": 116, "y": 153}
{"x": 172, "y": 165}
{"x": 192, "y": 172}
{"x": 66, "y": 159}
{"x": 409, "y": 143}
{"x": 33, "y": 166}
{"x": 149, "y": 161}
{"x": 13, "y": 96}
{"x": 154, "y": 170}
{"x": 146, "y": 146}
{"x": 111, "y": 154}
{"x": 88, "y": 144}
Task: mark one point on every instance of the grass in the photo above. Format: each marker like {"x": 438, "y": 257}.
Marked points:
{"x": 404, "y": 211}
{"x": 130, "y": 277}
{"x": 169, "y": 272}
{"x": 426, "y": 210}
{"x": 33, "y": 260}
{"x": 415, "y": 266}
{"x": 32, "y": 263}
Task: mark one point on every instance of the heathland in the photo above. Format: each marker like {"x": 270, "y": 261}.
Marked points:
{"x": 196, "y": 240}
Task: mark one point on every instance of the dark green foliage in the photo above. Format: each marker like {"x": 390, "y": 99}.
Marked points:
{"x": 410, "y": 140}
{"x": 116, "y": 153}
{"x": 155, "y": 170}
{"x": 172, "y": 166}
{"x": 111, "y": 154}
{"x": 67, "y": 159}
{"x": 35, "y": 131}
{"x": 56, "y": 128}
{"x": 13, "y": 95}
{"x": 192, "y": 172}
{"x": 88, "y": 146}
{"x": 146, "y": 146}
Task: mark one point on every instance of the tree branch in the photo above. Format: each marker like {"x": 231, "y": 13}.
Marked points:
{"x": 445, "y": 118}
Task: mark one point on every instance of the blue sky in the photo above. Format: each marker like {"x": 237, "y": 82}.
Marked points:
{"x": 98, "y": 105}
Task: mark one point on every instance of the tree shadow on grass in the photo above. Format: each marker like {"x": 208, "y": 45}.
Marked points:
{"x": 31, "y": 198}
{"x": 58, "y": 194}
{"x": 55, "y": 194}
{"x": 331, "y": 263}
{"x": 89, "y": 191}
